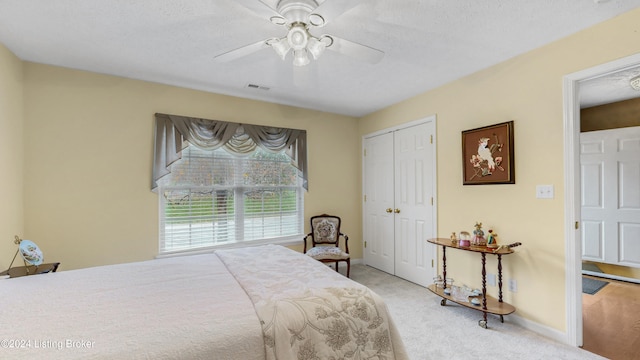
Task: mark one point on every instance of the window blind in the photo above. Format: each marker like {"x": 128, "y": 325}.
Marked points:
{"x": 214, "y": 198}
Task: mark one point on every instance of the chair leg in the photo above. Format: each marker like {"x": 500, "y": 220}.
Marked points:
{"x": 348, "y": 266}
{"x": 337, "y": 266}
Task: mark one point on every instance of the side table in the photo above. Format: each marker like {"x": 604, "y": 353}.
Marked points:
{"x": 30, "y": 270}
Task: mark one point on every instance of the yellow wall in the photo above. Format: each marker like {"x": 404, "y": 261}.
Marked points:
{"x": 88, "y": 153}
{"x": 11, "y": 155}
{"x": 528, "y": 90}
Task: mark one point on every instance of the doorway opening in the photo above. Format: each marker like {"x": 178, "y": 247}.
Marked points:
{"x": 573, "y": 227}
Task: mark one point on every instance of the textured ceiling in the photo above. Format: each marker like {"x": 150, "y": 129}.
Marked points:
{"x": 609, "y": 88}
{"x": 426, "y": 43}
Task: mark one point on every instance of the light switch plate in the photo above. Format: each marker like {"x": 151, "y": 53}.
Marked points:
{"x": 544, "y": 191}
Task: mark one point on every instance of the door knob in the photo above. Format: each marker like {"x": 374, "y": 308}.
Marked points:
{"x": 389, "y": 210}
{"x": 397, "y": 211}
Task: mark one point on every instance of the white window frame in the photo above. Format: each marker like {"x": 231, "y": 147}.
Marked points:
{"x": 239, "y": 217}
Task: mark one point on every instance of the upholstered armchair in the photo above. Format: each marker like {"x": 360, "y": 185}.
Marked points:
{"x": 325, "y": 241}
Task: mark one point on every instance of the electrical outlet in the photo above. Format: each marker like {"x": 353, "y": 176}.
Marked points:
{"x": 513, "y": 285}
{"x": 491, "y": 279}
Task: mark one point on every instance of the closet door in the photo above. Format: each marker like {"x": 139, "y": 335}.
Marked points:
{"x": 399, "y": 175}
{"x": 378, "y": 185}
{"x": 413, "y": 211}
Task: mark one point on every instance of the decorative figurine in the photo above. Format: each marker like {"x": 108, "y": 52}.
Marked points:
{"x": 492, "y": 241}
{"x": 478, "y": 235}
{"x": 465, "y": 239}
{"x": 500, "y": 248}
{"x": 454, "y": 239}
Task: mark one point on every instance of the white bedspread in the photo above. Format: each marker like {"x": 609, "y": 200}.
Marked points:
{"x": 309, "y": 312}
{"x": 196, "y": 307}
{"x": 177, "y": 308}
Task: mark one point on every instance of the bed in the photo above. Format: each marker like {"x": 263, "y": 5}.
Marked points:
{"x": 263, "y": 302}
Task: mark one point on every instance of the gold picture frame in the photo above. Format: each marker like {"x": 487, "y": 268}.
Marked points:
{"x": 487, "y": 155}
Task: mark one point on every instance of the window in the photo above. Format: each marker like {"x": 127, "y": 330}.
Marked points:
{"x": 213, "y": 198}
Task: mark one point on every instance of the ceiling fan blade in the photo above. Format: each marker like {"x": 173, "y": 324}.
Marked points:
{"x": 260, "y": 8}
{"x": 240, "y": 52}
{"x": 355, "y": 50}
{"x": 331, "y": 9}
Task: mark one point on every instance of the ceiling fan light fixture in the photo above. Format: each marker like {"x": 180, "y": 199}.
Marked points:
{"x": 300, "y": 58}
{"x": 280, "y": 46}
{"x": 298, "y": 36}
{"x": 316, "y": 47}
{"x": 299, "y": 16}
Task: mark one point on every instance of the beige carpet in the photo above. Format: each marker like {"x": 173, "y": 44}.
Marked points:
{"x": 432, "y": 331}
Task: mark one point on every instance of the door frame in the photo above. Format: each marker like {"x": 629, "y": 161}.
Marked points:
{"x": 572, "y": 203}
{"x": 434, "y": 217}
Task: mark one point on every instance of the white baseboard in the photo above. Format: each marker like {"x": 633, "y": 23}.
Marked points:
{"x": 538, "y": 328}
{"x": 610, "y": 276}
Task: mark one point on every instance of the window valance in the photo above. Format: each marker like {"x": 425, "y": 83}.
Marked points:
{"x": 173, "y": 133}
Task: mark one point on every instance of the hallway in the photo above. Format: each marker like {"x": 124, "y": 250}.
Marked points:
{"x": 611, "y": 321}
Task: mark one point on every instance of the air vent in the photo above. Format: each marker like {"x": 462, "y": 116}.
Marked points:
{"x": 635, "y": 82}
{"x": 258, "y": 87}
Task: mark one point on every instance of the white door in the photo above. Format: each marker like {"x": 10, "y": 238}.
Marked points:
{"x": 414, "y": 204}
{"x": 378, "y": 203}
{"x": 399, "y": 176}
{"x": 610, "y": 193}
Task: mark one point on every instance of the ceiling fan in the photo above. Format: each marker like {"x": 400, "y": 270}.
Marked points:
{"x": 299, "y": 16}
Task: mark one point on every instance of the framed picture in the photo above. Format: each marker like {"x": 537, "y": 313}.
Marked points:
{"x": 487, "y": 155}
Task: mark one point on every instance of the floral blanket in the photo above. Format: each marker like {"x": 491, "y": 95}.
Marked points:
{"x": 313, "y": 312}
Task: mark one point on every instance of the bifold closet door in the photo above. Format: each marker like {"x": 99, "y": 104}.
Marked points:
{"x": 378, "y": 227}
{"x": 413, "y": 199}
{"x": 398, "y": 206}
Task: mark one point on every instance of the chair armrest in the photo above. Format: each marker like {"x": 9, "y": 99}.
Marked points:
{"x": 346, "y": 242}
{"x": 304, "y": 240}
